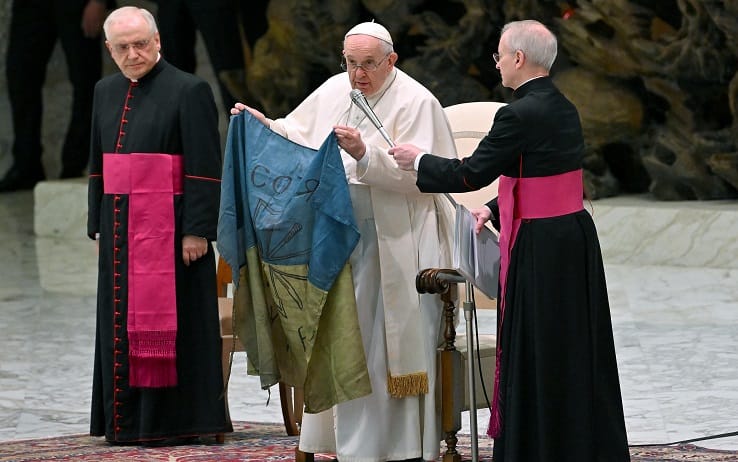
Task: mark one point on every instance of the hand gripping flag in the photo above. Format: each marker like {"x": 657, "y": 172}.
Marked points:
{"x": 286, "y": 228}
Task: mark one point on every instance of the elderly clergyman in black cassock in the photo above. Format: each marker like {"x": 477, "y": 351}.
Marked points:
{"x": 154, "y": 193}
{"x": 557, "y": 392}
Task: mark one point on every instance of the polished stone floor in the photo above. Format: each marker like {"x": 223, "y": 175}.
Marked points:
{"x": 675, "y": 319}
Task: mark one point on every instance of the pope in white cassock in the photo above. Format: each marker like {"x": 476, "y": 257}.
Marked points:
{"x": 402, "y": 231}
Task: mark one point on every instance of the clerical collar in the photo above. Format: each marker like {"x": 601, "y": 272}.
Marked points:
{"x": 532, "y": 78}
{"x": 158, "y": 57}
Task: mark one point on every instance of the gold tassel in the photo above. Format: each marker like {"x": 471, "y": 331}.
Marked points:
{"x": 400, "y": 386}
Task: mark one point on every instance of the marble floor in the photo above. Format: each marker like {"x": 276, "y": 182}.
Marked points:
{"x": 675, "y": 326}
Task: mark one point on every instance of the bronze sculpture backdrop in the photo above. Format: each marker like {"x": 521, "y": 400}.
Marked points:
{"x": 656, "y": 82}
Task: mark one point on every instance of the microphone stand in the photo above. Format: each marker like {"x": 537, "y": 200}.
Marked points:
{"x": 469, "y": 312}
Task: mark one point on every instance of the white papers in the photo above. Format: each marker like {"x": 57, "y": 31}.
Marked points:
{"x": 476, "y": 256}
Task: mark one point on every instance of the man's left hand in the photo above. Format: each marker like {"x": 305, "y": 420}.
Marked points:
{"x": 405, "y": 155}
{"x": 349, "y": 139}
{"x": 193, "y": 247}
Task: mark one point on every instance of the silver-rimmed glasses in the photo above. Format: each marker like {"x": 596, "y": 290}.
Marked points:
{"x": 497, "y": 56}
{"x": 138, "y": 45}
{"x": 367, "y": 66}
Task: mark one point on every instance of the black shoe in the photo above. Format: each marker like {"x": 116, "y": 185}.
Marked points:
{"x": 16, "y": 180}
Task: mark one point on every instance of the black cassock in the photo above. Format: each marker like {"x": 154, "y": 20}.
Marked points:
{"x": 165, "y": 112}
{"x": 559, "y": 388}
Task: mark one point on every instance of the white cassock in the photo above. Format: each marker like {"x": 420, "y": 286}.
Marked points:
{"x": 402, "y": 231}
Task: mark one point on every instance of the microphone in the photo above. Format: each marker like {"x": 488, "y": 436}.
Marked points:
{"x": 360, "y": 100}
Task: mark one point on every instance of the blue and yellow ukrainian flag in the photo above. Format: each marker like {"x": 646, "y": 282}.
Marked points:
{"x": 286, "y": 228}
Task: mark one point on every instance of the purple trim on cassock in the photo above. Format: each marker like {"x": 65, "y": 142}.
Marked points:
{"x": 521, "y": 199}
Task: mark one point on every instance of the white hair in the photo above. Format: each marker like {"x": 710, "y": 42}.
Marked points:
{"x": 534, "y": 39}
{"x": 126, "y": 11}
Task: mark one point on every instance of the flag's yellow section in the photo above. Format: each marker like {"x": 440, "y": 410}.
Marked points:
{"x": 301, "y": 335}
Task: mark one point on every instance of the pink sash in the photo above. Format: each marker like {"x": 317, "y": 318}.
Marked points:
{"x": 150, "y": 181}
{"x": 521, "y": 199}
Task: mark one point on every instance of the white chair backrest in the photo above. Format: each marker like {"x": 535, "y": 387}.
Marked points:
{"x": 470, "y": 122}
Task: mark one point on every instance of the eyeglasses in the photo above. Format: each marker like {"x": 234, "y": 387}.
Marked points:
{"x": 497, "y": 56}
{"x": 122, "y": 48}
{"x": 368, "y": 66}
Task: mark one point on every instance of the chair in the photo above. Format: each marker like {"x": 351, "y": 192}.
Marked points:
{"x": 228, "y": 342}
{"x": 470, "y": 122}
{"x": 290, "y": 398}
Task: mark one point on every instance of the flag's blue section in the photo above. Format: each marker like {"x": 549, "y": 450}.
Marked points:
{"x": 289, "y": 200}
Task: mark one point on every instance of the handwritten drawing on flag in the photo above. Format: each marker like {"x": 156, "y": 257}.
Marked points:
{"x": 286, "y": 228}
